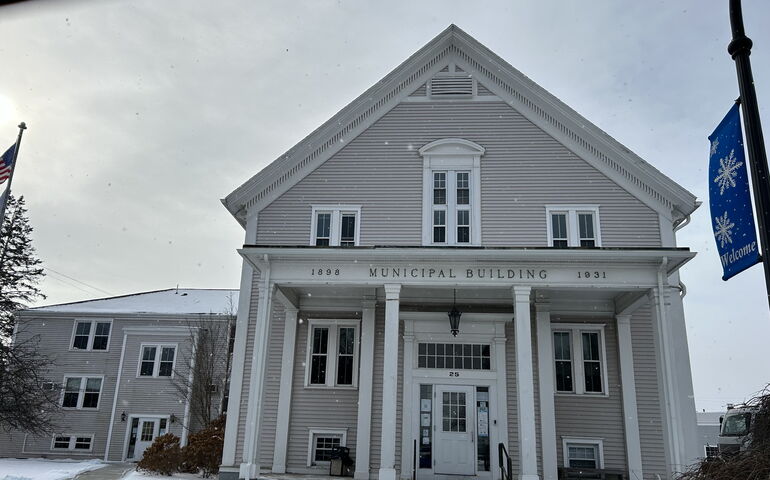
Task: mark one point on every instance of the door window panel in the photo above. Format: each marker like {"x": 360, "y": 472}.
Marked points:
{"x": 453, "y": 412}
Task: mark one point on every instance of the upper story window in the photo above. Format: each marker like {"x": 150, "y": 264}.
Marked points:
{"x": 579, "y": 359}
{"x": 157, "y": 360}
{"x": 82, "y": 392}
{"x": 335, "y": 225}
{"x": 332, "y": 353}
{"x": 451, "y": 192}
{"x": 573, "y": 226}
{"x": 91, "y": 335}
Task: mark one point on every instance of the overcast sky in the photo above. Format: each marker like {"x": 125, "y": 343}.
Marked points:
{"x": 143, "y": 114}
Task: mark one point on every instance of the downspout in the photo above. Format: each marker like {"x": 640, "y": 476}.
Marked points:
{"x": 115, "y": 398}
{"x": 670, "y": 399}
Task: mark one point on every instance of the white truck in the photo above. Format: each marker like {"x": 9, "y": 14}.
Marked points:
{"x": 735, "y": 429}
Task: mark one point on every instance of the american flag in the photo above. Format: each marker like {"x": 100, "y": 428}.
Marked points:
{"x": 6, "y": 164}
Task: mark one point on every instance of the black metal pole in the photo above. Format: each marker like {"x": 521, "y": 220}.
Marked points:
{"x": 7, "y": 193}
{"x": 740, "y": 49}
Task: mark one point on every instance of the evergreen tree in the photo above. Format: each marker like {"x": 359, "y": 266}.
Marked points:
{"x": 20, "y": 269}
{"x": 25, "y": 402}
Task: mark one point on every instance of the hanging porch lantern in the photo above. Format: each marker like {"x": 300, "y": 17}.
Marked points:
{"x": 454, "y": 316}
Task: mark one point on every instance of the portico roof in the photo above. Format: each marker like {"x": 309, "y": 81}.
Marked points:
{"x": 672, "y": 258}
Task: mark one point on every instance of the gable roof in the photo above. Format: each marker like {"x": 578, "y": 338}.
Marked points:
{"x": 549, "y": 113}
{"x": 173, "y": 301}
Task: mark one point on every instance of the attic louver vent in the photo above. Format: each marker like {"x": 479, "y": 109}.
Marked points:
{"x": 451, "y": 86}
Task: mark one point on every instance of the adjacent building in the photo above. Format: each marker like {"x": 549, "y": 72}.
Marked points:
{"x": 454, "y": 269}
{"x": 116, "y": 364}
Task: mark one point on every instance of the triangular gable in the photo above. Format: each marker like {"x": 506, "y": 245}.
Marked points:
{"x": 543, "y": 109}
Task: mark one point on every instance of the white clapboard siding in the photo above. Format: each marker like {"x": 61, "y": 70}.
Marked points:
{"x": 596, "y": 416}
{"x": 317, "y": 408}
{"x": 523, "y": 170}
{"x": 647, "y": 399}
{"x": 255, "y": 280}
{"x": 272, "y": 384}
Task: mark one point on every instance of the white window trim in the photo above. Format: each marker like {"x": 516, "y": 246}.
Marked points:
{"x": 705, "y": 450}
{"x": 156, "y": 362}
{"x": 578, "y": 374}
{"x": 335, "y": 229}
{"x": 91, "y": 334}
{"x": 72, "y": 441}
{"x": 451, "y": 155}
{"x": 321, "y": 432}
{"x": 331, "y": 352}
{"x": 598, "y": 442}
{"x": 82, "y": 392}
{"x": 573, "y": 234}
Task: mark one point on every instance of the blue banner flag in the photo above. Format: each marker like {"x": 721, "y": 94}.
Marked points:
{"x": 731, "y": 214}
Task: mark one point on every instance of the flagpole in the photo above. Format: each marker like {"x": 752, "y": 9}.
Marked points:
{"x": 740, "y": 49}
{"x": 7, "y": 194}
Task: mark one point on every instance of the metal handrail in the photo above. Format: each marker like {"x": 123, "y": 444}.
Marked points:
{"x": 506, "y": 468}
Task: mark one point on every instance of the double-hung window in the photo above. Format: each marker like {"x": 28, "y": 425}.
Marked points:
{"x": 321, "y": 444}
{"x": 579, "y": 359}
{"x": 335, "y": 225}
{"x": 91, "y": 335}
{"x": 451, "y": 207}
{"x": 584, "y": 453}
{"x": 157, "y": 360}
{"x": 82, "y": 392}
{"x": 573, "y": 226}
{"x": 451, "y": 192}
{"x": 332, "y": 353}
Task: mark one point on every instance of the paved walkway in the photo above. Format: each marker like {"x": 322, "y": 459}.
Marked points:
{"x": 113, "y": 471}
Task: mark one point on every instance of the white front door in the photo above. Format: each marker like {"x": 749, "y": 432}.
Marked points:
{"x": 455, "y": 435}
{"x": 148, "y": 430}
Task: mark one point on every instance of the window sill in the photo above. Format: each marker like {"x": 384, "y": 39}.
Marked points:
{"x": 82, "y": 409}
{"x": 328, "y": 387}
{"x": 88, "y": 350}
{"x": 581, "y": 395}
{"x": 148, "y": 377}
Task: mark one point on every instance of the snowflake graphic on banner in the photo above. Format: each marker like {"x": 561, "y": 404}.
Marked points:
{"x": 727, "y": 172}
{"x": 714, "y": 146}
{"x": 724, "y": 230}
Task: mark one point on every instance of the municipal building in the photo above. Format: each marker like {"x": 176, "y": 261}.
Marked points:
{"x": 454, "y": 272}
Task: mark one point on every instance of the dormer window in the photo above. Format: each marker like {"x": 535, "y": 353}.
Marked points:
{"x": 335, "y": 225}
{"x": 451, "y": 192}
{"x": 573, "y": 226}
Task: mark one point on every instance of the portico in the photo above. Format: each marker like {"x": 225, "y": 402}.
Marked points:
{"x": 422, "y": 403}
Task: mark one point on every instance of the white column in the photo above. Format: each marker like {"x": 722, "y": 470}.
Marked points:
{"x": 389, "y": 384}
{"x": 545, "y": 362}
{"x": 525, "y": 385}
{"x": 239, "y": 352}
{"x": 501, "y": 396}
{"x": 366, "y": 372}
{"x": 628, "y": 386}
{"x": 407, "y": 438}
{"x": 284, "y": 394}
{"x": 249, "y": 469}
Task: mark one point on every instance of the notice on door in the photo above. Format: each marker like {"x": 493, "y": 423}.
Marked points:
{"x": 483, "y": 419}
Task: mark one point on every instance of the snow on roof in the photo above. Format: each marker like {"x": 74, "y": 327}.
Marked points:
{"x": 171, "y": 301}
{"x": 709, "y": 418}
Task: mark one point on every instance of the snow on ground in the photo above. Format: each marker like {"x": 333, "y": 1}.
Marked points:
{"x": 147, "y": 476}
{"x": 42, "y": 469}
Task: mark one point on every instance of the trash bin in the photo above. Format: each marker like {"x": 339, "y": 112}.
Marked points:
{"x": 340, "y": 464}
